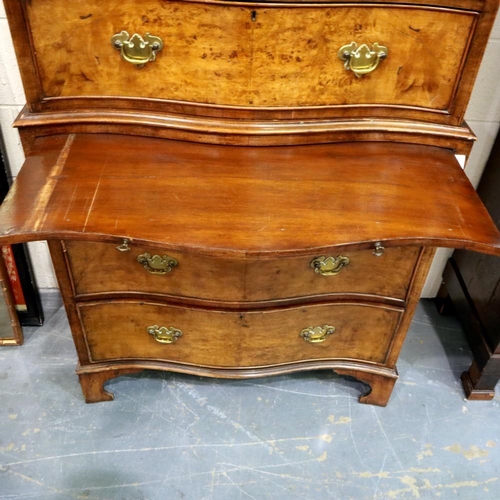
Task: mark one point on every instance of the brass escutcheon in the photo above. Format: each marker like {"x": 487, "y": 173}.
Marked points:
{"x": 317, "y": 334}
{"x": 156, "y": 264}
{"x": 362, "y": 60}
{"x": 329, "y": 266}
{"x": 164, "y": 335}
{"x": 379, "y": 249}
{"x": 135, "y": 49}
{"x": 124, "y": 247}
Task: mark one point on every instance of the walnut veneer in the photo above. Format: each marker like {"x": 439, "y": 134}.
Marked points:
{"x": 285, "y": 57}
{"x": 245, "y": 205}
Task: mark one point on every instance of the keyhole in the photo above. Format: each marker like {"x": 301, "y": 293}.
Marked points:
{"x": 254, "y": 15}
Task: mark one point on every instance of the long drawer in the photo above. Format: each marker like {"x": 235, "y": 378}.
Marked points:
{"x": 98, "y": 267}
{"x": 142, "y": 331}
{"x": 230, "y": 54}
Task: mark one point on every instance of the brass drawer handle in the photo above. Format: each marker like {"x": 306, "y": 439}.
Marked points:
{"x": 164, "y": 335}
{"x": 329, "y": 266}
{"x": 155, "y": 264}
{"x": 317, "y": 334}
{"x": 362, "y": 60}
{"x": 135, "y": 49}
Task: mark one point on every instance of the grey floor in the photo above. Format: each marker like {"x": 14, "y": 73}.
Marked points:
{"x": 300, "y": 436}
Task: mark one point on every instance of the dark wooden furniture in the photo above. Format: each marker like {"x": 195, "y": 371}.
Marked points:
{"x": 471, "y": 284}
{"x": 263, "y": 196}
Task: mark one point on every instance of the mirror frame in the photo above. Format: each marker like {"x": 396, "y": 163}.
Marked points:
{"x": 17, "y": 338}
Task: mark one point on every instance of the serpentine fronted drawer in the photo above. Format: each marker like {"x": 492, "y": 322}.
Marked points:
{"x": 241, "y": 339}
{"x": 101, "y": 268}
{"x": 257, "y": 56}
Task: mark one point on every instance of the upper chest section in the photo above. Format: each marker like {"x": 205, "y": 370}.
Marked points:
{"x": 253, "y": 60}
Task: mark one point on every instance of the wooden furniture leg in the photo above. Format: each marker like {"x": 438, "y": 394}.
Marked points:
{"x": 381, "y": 386}
{"x": 93, "y": 384}
{"x": 479, "y": 383}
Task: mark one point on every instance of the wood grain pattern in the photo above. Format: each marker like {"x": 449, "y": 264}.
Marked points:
{"x": 382, "y": 383}
{"x": 237, "y": 339}
{"x": 215, "y": 54}
{"x": 77, "y": 37}
{"x": 241, "y": 132}
{"x": 415, "y": 292}
{"x": 21, "y": 37}
{"x": 236, "y": 279}
{"x": 65, "y": 287}
{"x": 241, "y": 202}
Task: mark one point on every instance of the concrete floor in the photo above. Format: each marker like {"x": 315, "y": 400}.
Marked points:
{"x": 301, "y": 436}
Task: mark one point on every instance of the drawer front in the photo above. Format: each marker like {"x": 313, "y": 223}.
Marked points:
{"x": 119, "y": 330}
{"x": 256, "y": 56}
{"x": 101, "y": 267}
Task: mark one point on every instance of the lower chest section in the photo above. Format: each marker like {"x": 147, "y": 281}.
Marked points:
{"x": 140, "y": 303}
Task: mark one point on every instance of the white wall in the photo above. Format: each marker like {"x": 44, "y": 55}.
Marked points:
{"x": 483, "y": 116}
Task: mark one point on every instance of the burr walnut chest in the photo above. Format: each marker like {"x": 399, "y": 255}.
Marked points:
{"x": 241, "y": 189}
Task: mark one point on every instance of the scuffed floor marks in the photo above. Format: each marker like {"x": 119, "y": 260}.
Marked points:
{"x": 422, "y": 490}
{"x": 472, "y": 453}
